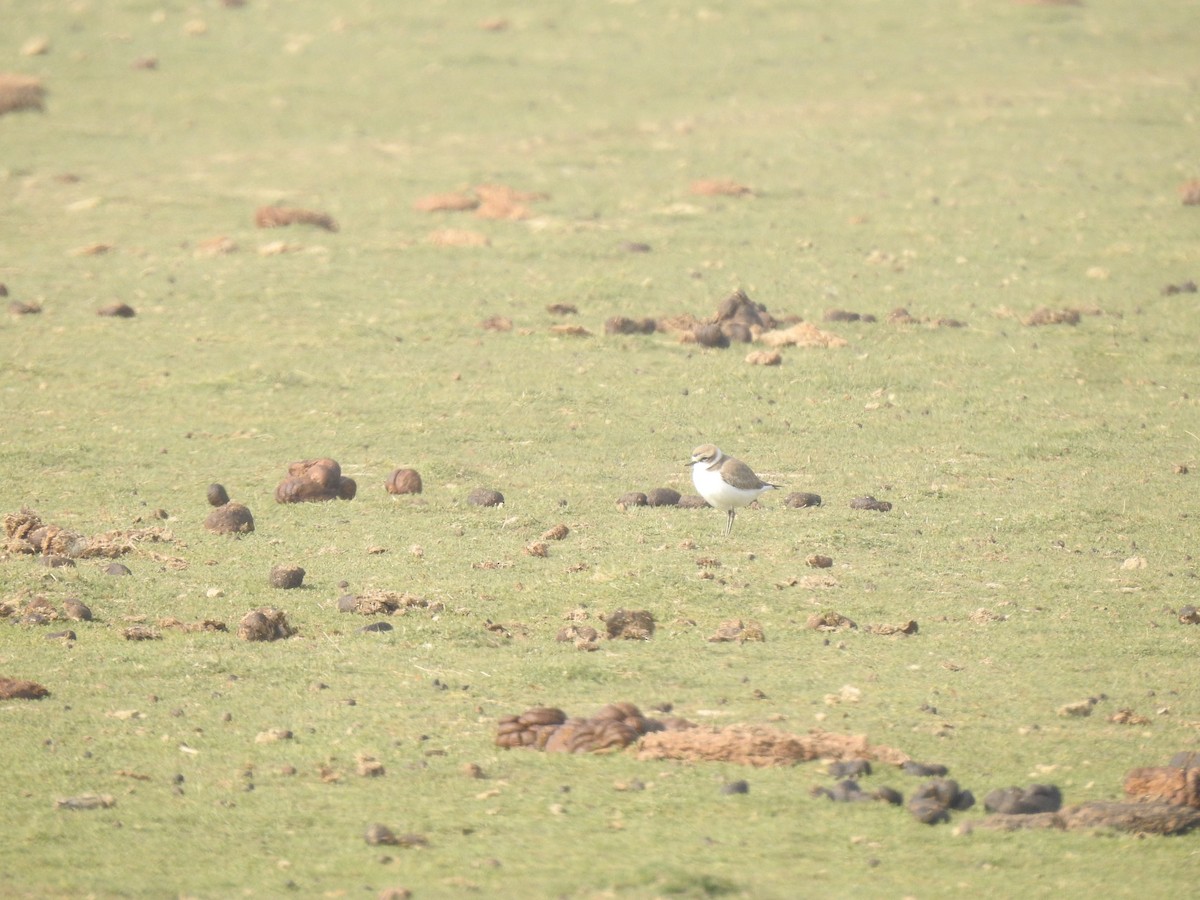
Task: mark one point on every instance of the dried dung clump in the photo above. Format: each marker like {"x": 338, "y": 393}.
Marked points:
{"x": 286, "y": 577}
{"x": 630, "y": 624}
{"x": 20, "y": 92}
{"x": 453, "y": 201}
{"x": 932, "y": 802}
{"x": 761, "y": 746}
{"x": 663, "y": 496}
{"x": 403, "y": 481}
{"x": 313, "y": 481}
{"x": 614, "y": 727}
{"x": 1165, "y": 784}
{"x": 117, "y": 311}
{"x": 870, "y": 503}
{"x": 265, "y": 624}
{"x": 485, "y": 497}
{"x": 1044, "y": 316}
{"x": 488, "y": 201}
{"x": 735, "y": 630}
{"x": 389, "y": 603}
{"x": 27, "y": 533}
{"x": 217, "y": 495}
{"x": 632, "y": 498}
{"x": 719, "y": 187}
{"x": 232, "y": 518}
{"x": 1018, "y": 801}
{"x": 803, "y": 334}
{"x": 19, "y": 689}
{"x": 280, "y": 216}
{"x": 801, "y": 500}
{"x": 626, "y": 325}
{"x": 829, "y": 621}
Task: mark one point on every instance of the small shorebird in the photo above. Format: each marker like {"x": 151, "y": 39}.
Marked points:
{"x": 725, "y": 482}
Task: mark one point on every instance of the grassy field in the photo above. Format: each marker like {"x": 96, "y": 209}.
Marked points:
{"x": 973, "y": 161}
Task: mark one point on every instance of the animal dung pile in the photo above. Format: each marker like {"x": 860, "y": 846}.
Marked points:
{"x": 548, "y": 728}
{"x": 265, "y": 624}
{"x": 487, "y": 201}
{"x": 760, "y": 746}
{"x": 485, "y": 497}
{"x": 620, "y": 725}
{"x": 230, "y": 518}
{"x": 26, "y": 533}
{"x": 403, "y": 481}
{"x": 313, "y": 480}
{"x": 388, "y": 603}
{"x": 280, "y": 216}
{"x": 286, "y": 577}
{"x": 18, "y": 92}
{"x": 20, "y": 689}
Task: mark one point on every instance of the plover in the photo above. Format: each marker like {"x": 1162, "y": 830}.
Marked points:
{"x": 725, "y": 482}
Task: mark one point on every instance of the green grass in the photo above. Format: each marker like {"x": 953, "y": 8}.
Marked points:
{"x": 963, "y": 160}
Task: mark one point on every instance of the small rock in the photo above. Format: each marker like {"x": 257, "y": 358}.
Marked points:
{"x": 117, "y": 569}
{"x": 817, "y": 561}
{"x": 692, "y": 501}
{"x": 736, "y": 787}
{"x": 217, "y": 495}
{"x": 54, "y": 561}
{"x": 870, "y": 503}
{"x": 61, "y": 636}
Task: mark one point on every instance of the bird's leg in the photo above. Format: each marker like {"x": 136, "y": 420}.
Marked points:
{"x": 729, "y": 523}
